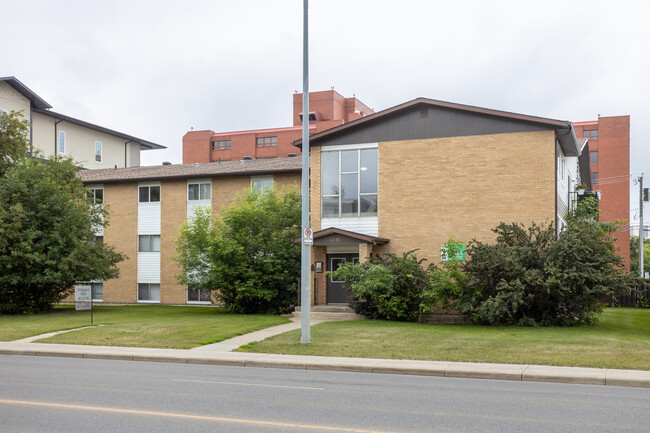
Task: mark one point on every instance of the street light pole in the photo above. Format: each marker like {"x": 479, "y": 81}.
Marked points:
{"x": 305, "y": 292}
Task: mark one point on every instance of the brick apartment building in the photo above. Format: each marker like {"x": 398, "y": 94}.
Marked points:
{"x": 609, "y": 156}
{"x": 327, "y": 109}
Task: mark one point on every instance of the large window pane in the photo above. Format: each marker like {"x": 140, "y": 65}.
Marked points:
{"x": 154, "y": 193}
{"x": 99, "y": 195}
{"x": 144, "y": 194}
{"x": 193, "y": 191}
{"x": 369, "y": 205}
{"x": 330, "y": 207}
{"x": 98, "y": 291}
{"x": 205, "y": 191}
{"x": 143, "y": 292}
{"x": 349, "y": 195}
{"x": 368, "y": 171}
{"x": 155, "y": 243}
{"x": 154, "y": 290}
{"x": 330, "y": 173}
{"x": 349, "y": 161}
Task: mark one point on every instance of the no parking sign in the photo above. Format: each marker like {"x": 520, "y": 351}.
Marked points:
{"x": 308, "y": 236}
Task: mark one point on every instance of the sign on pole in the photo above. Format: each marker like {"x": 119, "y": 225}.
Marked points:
{"x": 308, "y": 237}
{"x": 82, "y": 297}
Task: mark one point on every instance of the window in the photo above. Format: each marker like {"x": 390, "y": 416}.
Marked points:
{"x": 149, "y": 243}
{"x": 148, "y": 292}
{"x": 221, "y": 145}
{"x": 99, "y": 240}
{"x": 261, "y": 183}
{"x": 98, "y": 151}
{"x": 148, "y": 194}
{"x": 61, "y": 141}
{"x": 198, "y": 191}
{"x": 335, "y": 263}
{"x": 349, "y": 183}
{"x": 198, "y": 295}
{"x": 96, "y": 195}
{"x": 594, "y": 179}
{"x": 593, "y": 156}
{"x": 591, "y": 134}
{"x": 267, "y": 141}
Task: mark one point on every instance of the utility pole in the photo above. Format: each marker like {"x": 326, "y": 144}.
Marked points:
{"x": 305, "y": 292}
{"x": 641, "y": 226}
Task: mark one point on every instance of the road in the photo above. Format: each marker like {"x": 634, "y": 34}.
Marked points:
{"x": 42, "y": 394}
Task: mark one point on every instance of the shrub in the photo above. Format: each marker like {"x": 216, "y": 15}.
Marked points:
{"x": 387, "y": 286}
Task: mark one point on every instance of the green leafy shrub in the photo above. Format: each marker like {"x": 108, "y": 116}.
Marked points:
{"x": 245, "y": 255}
{"x": 387, "y": 286}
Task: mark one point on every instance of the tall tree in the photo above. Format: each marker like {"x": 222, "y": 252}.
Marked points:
{"x": 245, "y": 255}
{"x": 47, "y": 229}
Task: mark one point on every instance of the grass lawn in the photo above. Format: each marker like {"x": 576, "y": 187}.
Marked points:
{"x": 621, "y": 339}
{"x": 137, "y": 326}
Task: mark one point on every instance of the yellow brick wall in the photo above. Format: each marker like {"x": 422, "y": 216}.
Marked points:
{"x": 173, "y": 213}
{"x": 430, "y": 190}
{"x": 121, "y": 232}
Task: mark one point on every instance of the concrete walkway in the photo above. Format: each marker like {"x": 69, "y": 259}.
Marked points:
{"x": 220, "y": 354}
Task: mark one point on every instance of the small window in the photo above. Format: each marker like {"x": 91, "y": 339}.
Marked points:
{"x": 148, "y": 194}
{"x": 149, "y": 243}
{"x": 98, "y": 151}
{"x": 149, "y": 292}
{"x": 594, "y": 179}
{"x": 261, "y": 183}
{"x": 198, "y": 191}
{"x": 267, "y": 141}
{"x": 198, "y": 294}
{"x": 594, "y": 158}
{"x": 61, "y": 141}
{"x": 96, "y": 195}
{"x": 97, "y": 290}
{"x": 335, "y": 262}
{"x": 592, "y": 134}
{"x": 99, "y": 240}
{"x": 221, "y": 145}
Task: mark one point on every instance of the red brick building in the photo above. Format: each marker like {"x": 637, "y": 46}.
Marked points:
{"x": 326, "y": 110}
{"x": 609, "y": 155}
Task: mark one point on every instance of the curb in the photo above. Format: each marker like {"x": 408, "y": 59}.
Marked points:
{"x": 515, "y": 372}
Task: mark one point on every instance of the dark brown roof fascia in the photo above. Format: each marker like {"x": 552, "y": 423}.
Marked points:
{"x": 365, "y": 238}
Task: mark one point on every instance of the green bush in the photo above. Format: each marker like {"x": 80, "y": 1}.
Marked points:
{"x": 387, "y": 286}
{"x": 535, "y": 277}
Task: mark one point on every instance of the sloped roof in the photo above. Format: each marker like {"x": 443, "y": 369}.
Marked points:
{"x": 256, "y": 167}
{"x": 564, "y": 129}
{"x": 36, "y": 100}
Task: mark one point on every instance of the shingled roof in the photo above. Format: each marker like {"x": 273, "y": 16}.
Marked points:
{"x": 255, "y": 167}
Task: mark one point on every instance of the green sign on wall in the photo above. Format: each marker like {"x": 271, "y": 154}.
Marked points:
{"x": 457, "y": 253}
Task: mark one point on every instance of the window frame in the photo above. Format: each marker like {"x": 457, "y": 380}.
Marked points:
{"x": 92, "y": 194}
{"x": 151, "y": 301}
{"x": 61, "y": 134}
{"x": 264, "y": 180}
{"x": 221, "y": 144}
{"x": 340, "y": 149}
{"x": 199, "y": 294}
{"x": 593, "y": 157}
{"x": 100, "y": 154}
{"x": 147, "y": 241}
{"x": 269, "y": 141}
{"x": 149, "y": 193}
{"x": 199, "y": 183}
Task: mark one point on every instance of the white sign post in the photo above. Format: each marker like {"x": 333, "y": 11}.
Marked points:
{"x": 83, "y": 300}
{"x": 308, "y": 236}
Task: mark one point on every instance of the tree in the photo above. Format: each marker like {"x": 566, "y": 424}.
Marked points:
{"x": 634, "y": 255}
{"x": 47, "y": 235}
{"x": 246, "y": 256}
{"x": 13, "y": 139}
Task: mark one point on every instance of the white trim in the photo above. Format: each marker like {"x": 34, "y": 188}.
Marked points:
{"x": 101, "y": 152}
{"x": 349, "y": 147}
{"x": 58, "y": 144}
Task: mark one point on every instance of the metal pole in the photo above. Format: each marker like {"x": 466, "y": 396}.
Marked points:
{"x": 641, "y": 226}
{"x": 305, "y": 299}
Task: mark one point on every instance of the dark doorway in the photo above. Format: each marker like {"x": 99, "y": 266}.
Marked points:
{"x": 337, "y": 293}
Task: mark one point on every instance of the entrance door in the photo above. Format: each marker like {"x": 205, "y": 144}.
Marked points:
{"x": 337, "y": 293}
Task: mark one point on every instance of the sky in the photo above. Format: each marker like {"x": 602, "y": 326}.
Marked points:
{"x": 156, "y": 69}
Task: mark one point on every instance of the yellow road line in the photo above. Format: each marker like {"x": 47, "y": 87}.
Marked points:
{"x": 180, "y": 415}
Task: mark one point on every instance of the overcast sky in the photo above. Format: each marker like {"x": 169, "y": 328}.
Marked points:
{"x": 154, "y": 69}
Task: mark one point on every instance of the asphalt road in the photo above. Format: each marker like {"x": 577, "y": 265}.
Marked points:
{"x": 42, "y": 394}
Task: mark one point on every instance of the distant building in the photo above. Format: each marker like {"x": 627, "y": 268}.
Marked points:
{"x": 609, "y": 156}
{"x": 91, "y": 146}
{"x": 327, "y": 109}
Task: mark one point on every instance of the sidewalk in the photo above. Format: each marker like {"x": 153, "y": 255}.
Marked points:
{"x": 221, "y": 354}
